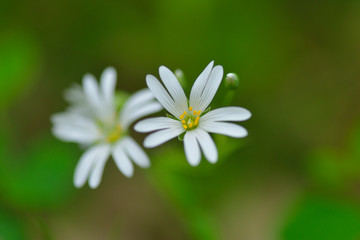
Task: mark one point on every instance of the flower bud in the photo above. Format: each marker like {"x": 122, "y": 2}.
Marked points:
{"x": 232, "y": 81}
{"x": 181, "y": 77}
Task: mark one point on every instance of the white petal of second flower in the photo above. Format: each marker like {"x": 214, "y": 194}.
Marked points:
{"x": 228, "y": 129}
{"x": 122, "y": 160}
{"x": 136, "y": 152}
{"x": 192, "y": 149}
{"x": 156, "y": 123}
{"x": 75, "y": 95}
{"x": 157, "y": 138}
{"x": 92, "y": 93}
{"x": 107, "y": 84}
{"x": 137, "y": 99}
{"x": 86, "y": 163}
{"x": 70, "y": 133}
{"x": 99, "y": 164}
{"x": 76, "y": 120}
{"x": 142, "y": 111}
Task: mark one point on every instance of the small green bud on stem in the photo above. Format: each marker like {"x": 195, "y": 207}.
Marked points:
{"x": 231, "y": 84}
{"x": 231, "y": 81}
{"x": 181, "y": 77}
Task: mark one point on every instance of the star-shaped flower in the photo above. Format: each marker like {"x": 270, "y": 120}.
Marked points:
{"x": 189, "y": 117}
{"x": 93, "y": 120}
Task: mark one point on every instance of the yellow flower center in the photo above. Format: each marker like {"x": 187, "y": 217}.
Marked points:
{"x": 114, "y": 133}
{"x": 190, "y": 120}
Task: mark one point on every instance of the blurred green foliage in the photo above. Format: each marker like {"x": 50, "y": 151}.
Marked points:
{"x": 320, "y": 218}
{"x": 11, "y": 226}
{"x": 37, "y": 180}
{"x": 337, "y": 170}
{"x": 19, "y": 62}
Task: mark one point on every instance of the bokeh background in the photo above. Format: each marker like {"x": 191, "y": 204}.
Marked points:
{"x": 295, "y": 177}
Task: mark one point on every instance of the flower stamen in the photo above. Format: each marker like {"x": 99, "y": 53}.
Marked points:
{"x": 190, "y": 120}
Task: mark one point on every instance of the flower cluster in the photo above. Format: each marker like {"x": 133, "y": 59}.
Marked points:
{"x": 97, "y": 122}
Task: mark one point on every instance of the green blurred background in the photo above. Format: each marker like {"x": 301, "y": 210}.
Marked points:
{"x": 295, "y": 177}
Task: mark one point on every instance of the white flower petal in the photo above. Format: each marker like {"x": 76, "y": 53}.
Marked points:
{"x": 192, "y": 149}
{"x": 156, "y": 123}
{"x": 99, "y": 164}
{"x": 137, "y": 99}
{"x": 173, "y": 86}
{"x": 75, "y": 95}
{"x": 122, "y": 161}
{"x": 91, "y": 90}
{"x": 157, "y": 138}
{"x": 199, "y": 85}
{"x": 86, "y": 163}
{"x": 108, "y": 84}
{"x": 144, "y": 110}
{"x": 228, "y": 129}
{"x": 136, "y": 153}
{"x": 72, "y": 118}
{"x": 163, "y": 96}
{"x": 74, "y": 127}
{"x": 70, "y": 133}
{"x": 227, "y": 114}
{"x": 207, "y": 145}
{"x": 211, "y": 87}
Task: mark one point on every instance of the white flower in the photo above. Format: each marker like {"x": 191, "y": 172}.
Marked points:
{"x": 188, "y": 114}
{"x": 94, "y": 121}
